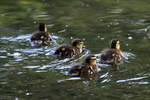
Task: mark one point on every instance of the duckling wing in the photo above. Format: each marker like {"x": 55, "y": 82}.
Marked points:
{"x": 49, "y": 36}
{"x": 44, "y": 36}
{"x": 75, "y": 70}
{"x": 108, "y": 56}
{"x": 88, "y": 69}
{"x": 36, "y": 36}
{"x": 65, "y": 51}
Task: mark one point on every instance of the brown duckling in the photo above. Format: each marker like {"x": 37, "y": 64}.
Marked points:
{"x": 88, "y": 67}
{"x": 67, "y": 51}
{"x": 112, "y": 56}
{"x": 42, "y": 36}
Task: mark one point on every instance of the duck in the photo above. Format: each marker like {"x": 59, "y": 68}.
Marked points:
{"x": 68, "y": 51}
{"x": 113, "y": 55}
{"x": 87, "y": 67}
{"x": 42, "y": 36}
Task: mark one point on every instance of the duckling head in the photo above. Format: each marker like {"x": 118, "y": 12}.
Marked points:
{"x": 91, "y": 60}
{"x": 79, "y": 44}
{"x": 42, "y": 27}
{"x": 115, "y": 44}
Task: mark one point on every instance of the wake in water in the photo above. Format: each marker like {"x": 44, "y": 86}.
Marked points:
{"x": 45, "y": 54}
{"x": 43, "y": 58}
{"x": 126, "y": 56}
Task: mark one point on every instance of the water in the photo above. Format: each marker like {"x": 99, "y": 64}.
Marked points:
{"x": 28, "y": 73}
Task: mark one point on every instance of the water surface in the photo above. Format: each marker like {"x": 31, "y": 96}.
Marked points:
{"x": 28, "y": 73}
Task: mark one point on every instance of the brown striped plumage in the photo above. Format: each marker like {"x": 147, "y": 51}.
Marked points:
{"x": 112, "y": 56}
{"x": 67, "y": 51}
{"x": 42, "y": 37}
{"x": 86, "y": 68}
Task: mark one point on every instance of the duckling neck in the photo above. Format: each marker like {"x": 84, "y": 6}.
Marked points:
{"x": 44, "y": 31}
{"x": 92, "y": 64}
{"x": 118, "y": 49}
{"x": 115, "y": 48}
{"x": 78, "y": 50}
{"x": 93, "y": 67}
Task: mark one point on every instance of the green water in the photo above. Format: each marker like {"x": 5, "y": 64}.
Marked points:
{"x": 28, "y": 73}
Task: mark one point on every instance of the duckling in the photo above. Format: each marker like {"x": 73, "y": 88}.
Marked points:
{"x": 112, "y": 56}
{"x": 88, "y": 67}
{"x": 42, "y": 36}
{"x": 67, "y": 51}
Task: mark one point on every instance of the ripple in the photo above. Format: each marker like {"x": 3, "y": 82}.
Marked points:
{"x": 116, "y": 11}
{"x": 31, "y": 67}
{"x": 63, "y": 67}
{"x": 15, "y": 54}
{"x": 132, "y": 79}
{"x": 46, "y": 66}
{"x": 3, "y": 51}
{"x": 30, "y": 51}
{"x": 106, "y": 80}
{"x": 21, "y": 37}
{"x": 104, "y": 75}
{"x": 139, "y": 31}
{"x": 27, "y": 37}
{"x": 148, "y": 36}
{"x": 69, "y": 79}
{"x": 140, "y": 83}
{"x": 128, "y": 55}
{"x": 130, "y": 37}
{"x": 3, "y": 69}
{"x": 3, "y": 57}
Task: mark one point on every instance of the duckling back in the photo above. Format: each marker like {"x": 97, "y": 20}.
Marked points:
{"x": 64, "y": 51}
{"x": 40, "y": 37}
{"x": 75, "y": 71}
{"x": 45, "y": 36}
{"x": 83, "y": 70}
{"x": 88, "y": 69}
{"x": 111, "y": 56}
